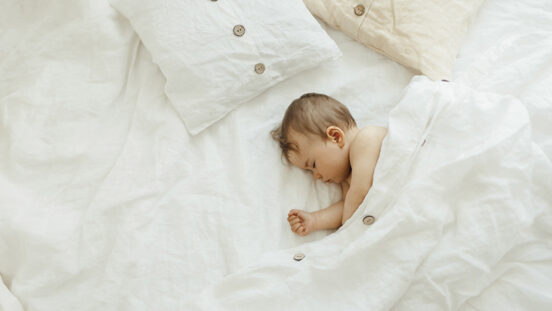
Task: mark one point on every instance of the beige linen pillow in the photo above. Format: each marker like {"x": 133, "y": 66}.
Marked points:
{"x": 424, "y": 35}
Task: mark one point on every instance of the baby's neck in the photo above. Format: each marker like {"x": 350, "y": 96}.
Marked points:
{"x": 351, "y": 133}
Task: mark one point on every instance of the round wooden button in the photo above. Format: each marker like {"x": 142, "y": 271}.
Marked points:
{"x": 368, "y": 220}
{"x": 299, "y": 256}
{"x": 259, "y": 68}
{"x": 359, "y": 9}
{"x": 239, "y": 30}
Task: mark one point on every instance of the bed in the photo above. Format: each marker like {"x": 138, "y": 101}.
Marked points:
{"x": 109, "y": 201}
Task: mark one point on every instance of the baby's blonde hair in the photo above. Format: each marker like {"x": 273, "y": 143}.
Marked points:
{"x": 311, "y": 113}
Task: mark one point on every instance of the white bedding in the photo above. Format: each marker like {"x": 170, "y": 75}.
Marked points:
{"x": 106, "y": 202}
{"x": 462, "y": 207}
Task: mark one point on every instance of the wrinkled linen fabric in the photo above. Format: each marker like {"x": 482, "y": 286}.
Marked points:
{"x": 108, "y": 203}
{"x": 7, "y": 301}
{"x": 461, "y": 198}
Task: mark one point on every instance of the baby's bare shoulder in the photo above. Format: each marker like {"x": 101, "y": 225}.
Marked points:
{"x": 369, "y": 137}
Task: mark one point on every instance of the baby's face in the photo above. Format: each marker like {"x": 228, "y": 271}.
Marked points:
{"x": 325, "y": 159}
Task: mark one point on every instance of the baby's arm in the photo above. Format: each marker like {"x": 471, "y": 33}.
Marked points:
{"x": 364, "y": 154}
{"x": 303, "y": 222}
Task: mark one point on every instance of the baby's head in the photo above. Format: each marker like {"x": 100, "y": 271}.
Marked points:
{"x": 313, "y": 136}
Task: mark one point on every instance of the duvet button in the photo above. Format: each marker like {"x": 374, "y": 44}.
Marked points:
{"x": 259, "y": 68}
{"x": 359, "y": 10}
{"x": 368, "y": 220}
{"x": 239, "y": 30}
{"x": 299, "y": 256}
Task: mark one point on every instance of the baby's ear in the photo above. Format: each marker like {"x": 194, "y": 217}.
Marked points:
{"x": 336, "y": 135}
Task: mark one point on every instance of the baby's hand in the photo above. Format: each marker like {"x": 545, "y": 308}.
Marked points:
{"x": 301, "y": 222}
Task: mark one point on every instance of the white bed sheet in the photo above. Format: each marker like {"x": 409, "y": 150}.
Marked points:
{"x": 106, "y": 202}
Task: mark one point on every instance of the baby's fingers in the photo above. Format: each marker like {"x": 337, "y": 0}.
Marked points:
{"x": 296, "y": 227}
{"x": 294, "y": 220}
{"x": 293, "y": 212}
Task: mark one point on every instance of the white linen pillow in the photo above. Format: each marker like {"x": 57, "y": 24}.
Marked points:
{"x": 217, "y": 55}
{"x": 424, "y": 35}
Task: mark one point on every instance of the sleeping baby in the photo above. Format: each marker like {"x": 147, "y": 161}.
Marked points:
{"x": 318, "y": 134}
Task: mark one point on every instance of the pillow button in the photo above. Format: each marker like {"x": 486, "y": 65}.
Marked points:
{"x": 359, "y": 10}
{"x": 259, "y": 68}
{"x": 298, "y": 256}
{"x": 239, "y": 30}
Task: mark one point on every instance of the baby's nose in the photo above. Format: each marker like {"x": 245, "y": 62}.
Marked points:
{"x": 317, "y": 176}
